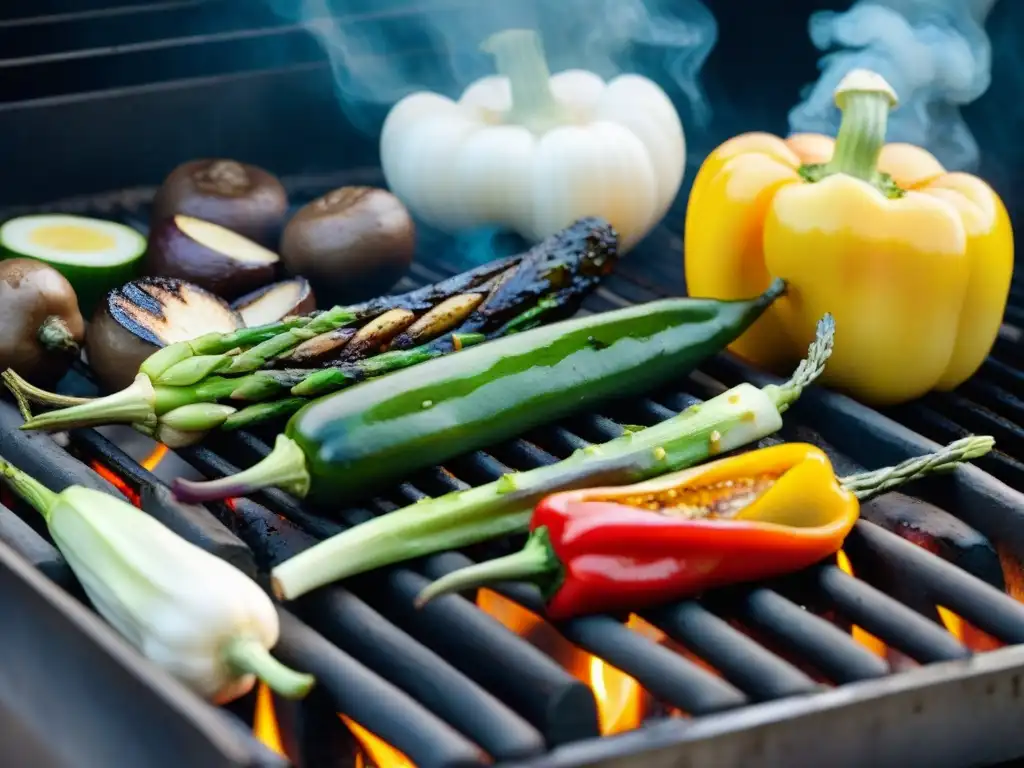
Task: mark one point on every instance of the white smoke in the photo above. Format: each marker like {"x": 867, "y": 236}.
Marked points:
{"x": 373, "y": 44}
{"x": 935, "y": 54}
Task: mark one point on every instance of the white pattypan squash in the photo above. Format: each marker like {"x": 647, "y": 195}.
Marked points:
{"x": 534, "y": 152}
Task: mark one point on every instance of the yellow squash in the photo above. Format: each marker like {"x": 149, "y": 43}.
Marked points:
{"x": 913, "y": 262}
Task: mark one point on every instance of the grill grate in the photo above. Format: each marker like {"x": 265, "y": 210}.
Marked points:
{"x": 447, "y": 681}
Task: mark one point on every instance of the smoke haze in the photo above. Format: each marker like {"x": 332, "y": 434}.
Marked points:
{"x": 935, "y": 53}
{"x": 666, "y": 40}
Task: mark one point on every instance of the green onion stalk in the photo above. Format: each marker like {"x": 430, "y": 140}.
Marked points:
{"x": 737, "y": 417}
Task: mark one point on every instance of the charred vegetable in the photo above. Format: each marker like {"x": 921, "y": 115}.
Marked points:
{"x": 379, "y": 432}
{"x": 244, "y": 198}
{"x": 146, "y": 314}
{"x": 94, "y": 255}
{"x": 755, "y": 516}
{"x": 737, "y": 417}
{"x": 276, "y": 301}
{"x": 208, "y": 255}
{"x": 350, "y": 243}
{"x": 543, "y": 285}
{"x": 42, "y": 327}
{"x": 197, "y": 616}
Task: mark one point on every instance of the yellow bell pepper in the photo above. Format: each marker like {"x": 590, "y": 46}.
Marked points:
{"x": 913, "y": 262}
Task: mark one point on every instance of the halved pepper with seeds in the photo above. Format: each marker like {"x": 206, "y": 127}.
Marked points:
{"x": 753, "y": 516}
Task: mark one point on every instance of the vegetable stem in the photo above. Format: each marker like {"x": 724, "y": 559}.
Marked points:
{"x": 21, "y": 388}
{"x": 38, "y": 496}
{"x": 248, "y": 656}
{"x": 865, "y": 99}
{"x": 284, "y": 467}
{"x": 535, "y": 562}
{"x": 132, "y": 405}
{"x": 519, "y": 56}
{"x": 55, "y": 336}
{"x": 866, "y": 485}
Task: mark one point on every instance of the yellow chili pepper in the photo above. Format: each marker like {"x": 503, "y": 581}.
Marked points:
{"x": 913, "y": 262}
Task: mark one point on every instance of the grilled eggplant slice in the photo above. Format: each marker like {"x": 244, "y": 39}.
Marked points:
{"x": 208, "y": 255}
{"x": 141, "y": 316}
{"x": 276, "y": 301}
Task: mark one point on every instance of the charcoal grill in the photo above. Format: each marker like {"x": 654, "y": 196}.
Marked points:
{"x": 772, "y": 674}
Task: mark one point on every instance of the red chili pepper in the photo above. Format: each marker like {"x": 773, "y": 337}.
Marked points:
{"x": 744, "y": 518}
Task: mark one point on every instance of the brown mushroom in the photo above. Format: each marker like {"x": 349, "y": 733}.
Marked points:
{"x": 351, "y": 244}
{"x": 244, "y": 198}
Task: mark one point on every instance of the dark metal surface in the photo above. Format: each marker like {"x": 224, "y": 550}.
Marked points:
{"x": 771, "y": 643}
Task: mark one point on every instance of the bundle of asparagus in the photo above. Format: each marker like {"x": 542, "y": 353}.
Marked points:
{"x": 249, "y": 376}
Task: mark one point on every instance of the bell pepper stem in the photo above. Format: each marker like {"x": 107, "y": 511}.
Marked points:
{"x": 37, "y": 495}
{"x": 809, "y": 369}
{"x": 55, "y": 336}
{"x": 519, "y": 56}
{"x": 536, "y": 562}
{"x": 246, "y": 655}
{"x": 284, "y": 468}
{"x": 132, "y": 405}
{"x": 865, "y": 99}
{"x": 865, "y": 485}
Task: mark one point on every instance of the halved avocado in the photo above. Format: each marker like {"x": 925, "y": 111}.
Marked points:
{"x": 93, "y": 254}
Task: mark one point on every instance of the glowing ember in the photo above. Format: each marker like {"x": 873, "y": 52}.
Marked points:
{"x": 619, "y": 697}
{"x": 376, "y": 751}
{"x": 115, "y": 480}
{"x": 264, "y": 725}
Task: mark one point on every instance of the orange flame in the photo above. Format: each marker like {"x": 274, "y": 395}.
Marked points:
{"x": 619, "y": 697}
{"x": 376, "y": 751}
{"x": 155, "y": 457}
{"x": 866, "y": 639}
{"x": 264, "y": 724}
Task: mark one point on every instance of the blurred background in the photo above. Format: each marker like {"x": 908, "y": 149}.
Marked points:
{"x": 99, "y": 95}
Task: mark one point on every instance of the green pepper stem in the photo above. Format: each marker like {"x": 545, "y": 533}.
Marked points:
{"x": 519, "y": 56}
{"x": 55, "y": 336}
{"x": 135, "y": 404}
{"x": 865, "y": 99}
{"x": 284, "y": 468}
{"x": 865, "y": 485}
{"x": 810, "y": 368}
{"x": 38, "y": 496}
{"x": 246, "y": 655}
{"x": 536, "y": 561}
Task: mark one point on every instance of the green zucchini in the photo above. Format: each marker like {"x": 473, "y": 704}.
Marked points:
{"x": 93, "y": 254}
{"x": 377, "y": 432}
